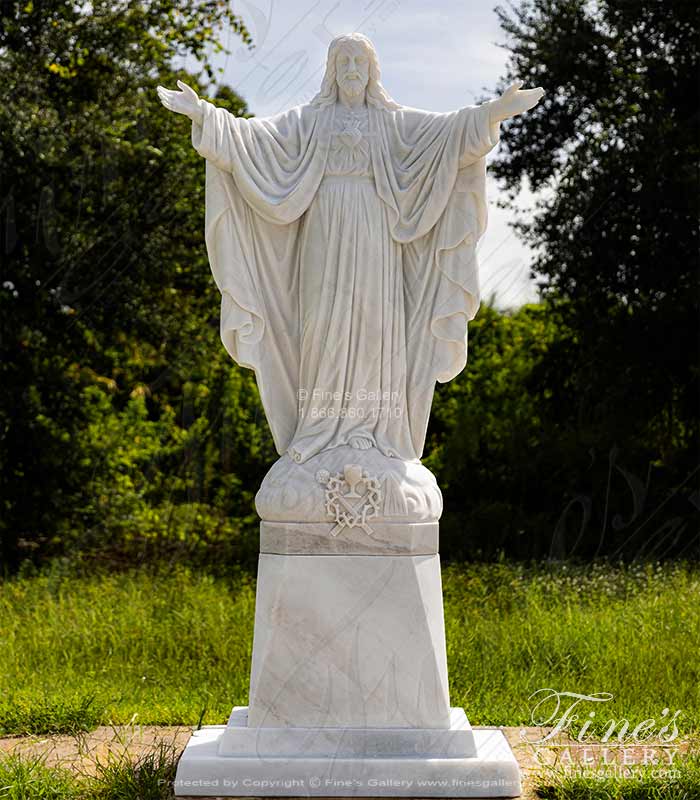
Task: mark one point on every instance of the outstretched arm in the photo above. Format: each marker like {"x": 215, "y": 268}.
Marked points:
{"x": 514, "y": 101}
{"x": 212, "y": 127}
{"x": 186, "y": 101}
{"x": 481, "y": 131}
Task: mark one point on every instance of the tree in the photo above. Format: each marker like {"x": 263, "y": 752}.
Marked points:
{"x": 105, "y": 286}
{"x": 613, "y": 150}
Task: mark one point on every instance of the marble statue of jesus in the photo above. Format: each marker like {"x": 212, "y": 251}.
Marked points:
{"x": 342, "y": 236}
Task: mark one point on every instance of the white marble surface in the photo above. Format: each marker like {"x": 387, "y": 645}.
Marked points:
{"x": 349, "y": 641}
{"x": 202, "y": 771}
{"x": 342, "y": 235}
{"x": 291, "y": 492}
{"x": 309, "y": 538}
{"x": 455, "y": 741}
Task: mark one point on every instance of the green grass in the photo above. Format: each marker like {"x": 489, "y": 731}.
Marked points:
{"x": 682, "y": 782}
{"x": 50, "y": 715}
{"x": 129, "y": 647}
{"x": 151, "y": 777}
{"x": 30, "y": 779}
{"x": 147, "y": 778}
{"x": 166, "y": 649}
{"x": 633, "y": 632}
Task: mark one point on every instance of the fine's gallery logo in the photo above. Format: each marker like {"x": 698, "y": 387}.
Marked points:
{"x": 564, "y": 710}
{"x": 576, "y": 728}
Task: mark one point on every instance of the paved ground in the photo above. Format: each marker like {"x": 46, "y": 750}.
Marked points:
{"x": 82, "y": 752}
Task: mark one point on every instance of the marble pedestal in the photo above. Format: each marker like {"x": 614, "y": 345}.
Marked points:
{"x": 348, "y": 690}
{"x": 335, "y": 762}
{"x": 349, "y": 641}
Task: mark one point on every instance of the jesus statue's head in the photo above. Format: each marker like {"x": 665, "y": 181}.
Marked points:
{"x": 353, "y": 66}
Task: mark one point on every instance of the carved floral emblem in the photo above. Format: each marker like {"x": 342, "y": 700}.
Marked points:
{"x": 353, "y": 497}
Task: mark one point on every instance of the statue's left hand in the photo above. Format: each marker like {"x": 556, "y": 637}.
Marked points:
{"x": 514, "y": 101}
{"x": 186, "y": 101}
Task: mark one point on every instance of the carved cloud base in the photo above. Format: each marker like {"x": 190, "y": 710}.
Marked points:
{"x": 348, "y": 689}
{"x": 319, "y": 490}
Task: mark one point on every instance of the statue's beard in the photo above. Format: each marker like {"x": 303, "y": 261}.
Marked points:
{"x": 353, "y": 86}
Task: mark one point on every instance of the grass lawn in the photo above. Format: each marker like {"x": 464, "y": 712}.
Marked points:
{"x": 641, "y": 783}
{"x": 151, "y": 777}
{"x": 148, "y": 778}
{"x": 175, "y": 648}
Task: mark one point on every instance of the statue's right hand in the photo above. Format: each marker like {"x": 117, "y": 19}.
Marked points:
{"x": 184, "y": 102}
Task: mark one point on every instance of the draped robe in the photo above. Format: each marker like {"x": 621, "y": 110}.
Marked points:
{"x": 362, "y": 299}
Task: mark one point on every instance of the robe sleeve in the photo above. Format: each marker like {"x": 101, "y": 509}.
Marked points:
{"x": 276, "y": 162}
{"x": 479, "y": 134}
{"x": 261, "y": 176}
{"x": 212, "y": 139}
{"x": 453, "y": 244}
{"x": 430, "y": 170}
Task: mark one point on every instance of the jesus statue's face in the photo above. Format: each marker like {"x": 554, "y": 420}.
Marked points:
{"x": 352, "y": 68}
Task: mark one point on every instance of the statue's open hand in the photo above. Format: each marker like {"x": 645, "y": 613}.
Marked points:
{"x": 186, "y": 101}
{"x": 514, "y": 101}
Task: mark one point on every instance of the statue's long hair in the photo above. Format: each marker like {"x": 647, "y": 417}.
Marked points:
{"x": 376, "y": 94}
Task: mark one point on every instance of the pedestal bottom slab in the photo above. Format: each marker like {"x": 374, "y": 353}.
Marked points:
{"x": 204, "y": 772}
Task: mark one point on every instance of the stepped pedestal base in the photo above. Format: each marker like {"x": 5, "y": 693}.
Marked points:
{"x": 348, "y": 691}
{"x": 236, "y": 761}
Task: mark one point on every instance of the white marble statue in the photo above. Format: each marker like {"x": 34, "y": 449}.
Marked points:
{"x": 342, "y": 234}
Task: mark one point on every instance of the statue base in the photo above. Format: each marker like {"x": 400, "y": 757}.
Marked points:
{"x": 348, "y": 688}
{"x": 348, "y": 691}
{"x": 237, "y": 761}
{"x": 349, "y": 641}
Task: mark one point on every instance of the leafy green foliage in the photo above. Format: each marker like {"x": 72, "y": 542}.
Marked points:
{"x": 614, "y": 149}
{"x": 118, "y": 408}
{"x": 484, "y": 434}
{"x": 127, "y": 433}
{"x": 525, "y": 472}
{"x": 616, "y": 138}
